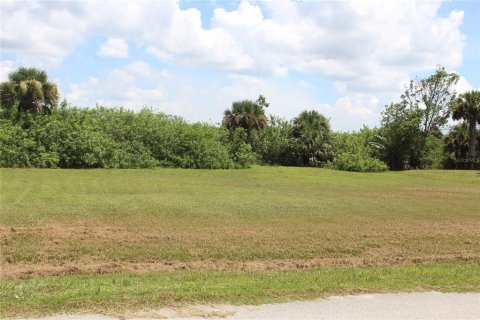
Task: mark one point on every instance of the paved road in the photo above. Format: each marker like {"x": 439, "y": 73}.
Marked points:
{"x": 430, "y": 305}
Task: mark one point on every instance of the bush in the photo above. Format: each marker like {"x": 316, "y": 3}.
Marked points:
{"x": 113, "y": 138}
{"x": 353, "y": 152}
{"x": 273, "y": 143}
{"x": 433, "y": 155}
{"x": 15, "y": 145}
{"x": 357, "y": 162}
{"x": 240, "y": 150}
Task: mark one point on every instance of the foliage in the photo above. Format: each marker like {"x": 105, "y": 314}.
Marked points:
{"x": 111, "y": 138}
{"x": 28, "y": 90}
{"x": 248, "y": 115}
{"x": 357, "y": 162}
{"x": 410, "y": 136}
{"x": 19, "y": 149}
{"x": 353, "y": 152}
{"x": 398, "y": 140}
{"x": 304, "y": 141}
{"x": 467, "y": 108}
{"x": 240, "y": 150}
{"x": 431, "y": 97}
{"x": 455, "y": 145}
{"x": 433, "y": 155}
{"x": 274, "y": 144}
{"x": 311, "y": 138}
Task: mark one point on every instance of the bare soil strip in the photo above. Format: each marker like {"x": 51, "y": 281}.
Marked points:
{"x": 25, "y": 270}
{"x": 56, "y": 249}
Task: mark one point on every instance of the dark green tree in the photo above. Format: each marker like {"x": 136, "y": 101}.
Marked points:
{"x": 28, "y": 90}
{"x": 431, "y": 97}
{"x": 398, "y": 138}
{"x": 411, "y": 135}
{"x": 467, "y": 108}
{"x": 312, "y": 138}
{"x": 456, "y": 147}
{"x": 246, "y": 114}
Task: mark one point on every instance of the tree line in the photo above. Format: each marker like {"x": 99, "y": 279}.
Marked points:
{"x": 37, "y": 131}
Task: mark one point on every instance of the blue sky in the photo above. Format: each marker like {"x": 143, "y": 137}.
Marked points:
{"x": 194, "y": 58}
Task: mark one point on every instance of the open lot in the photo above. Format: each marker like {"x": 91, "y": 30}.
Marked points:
{"x": 107, "y": 239}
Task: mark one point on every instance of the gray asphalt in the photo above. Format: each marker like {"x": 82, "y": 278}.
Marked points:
{"x": 425, "y": 306}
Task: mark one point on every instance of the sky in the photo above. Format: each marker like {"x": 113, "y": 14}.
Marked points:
{"x": 345, "y": 59}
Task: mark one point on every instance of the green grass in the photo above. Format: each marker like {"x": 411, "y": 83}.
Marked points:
{"x": 250, "y": 235}
{"x": 115, "y": 293}
{"x": 266, "y": 193}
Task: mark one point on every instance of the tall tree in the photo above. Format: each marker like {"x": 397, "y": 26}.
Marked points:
{"x": 28, "y": 90}
{"x": 467, "y": 108}
{"x": 312, "y": 135}
{"x": 431, "y": 96}
{"x": 246, "y": 114}
{"x": 399, "y": 137}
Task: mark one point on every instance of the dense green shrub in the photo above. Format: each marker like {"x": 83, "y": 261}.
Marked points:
{"x": 433, "y": 155}
{"x": 357, "y": 162}
{"x": 240, "y": 149}
{"x": 305, "y": 141}
{"x": 273, "y": 143}
{"x": 17, "y": 149}
{"x": 112, "y": 138}
{"x": 353, "y": 152}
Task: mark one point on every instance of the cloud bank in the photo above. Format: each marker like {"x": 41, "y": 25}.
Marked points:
{"x": 367, "y": 49}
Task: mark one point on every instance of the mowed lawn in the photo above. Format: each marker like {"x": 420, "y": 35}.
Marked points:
{"x": 163, "y": 236}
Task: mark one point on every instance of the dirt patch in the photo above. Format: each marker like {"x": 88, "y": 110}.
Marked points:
{"x": 59, "y": 249}
{"x": 25, "y": 271}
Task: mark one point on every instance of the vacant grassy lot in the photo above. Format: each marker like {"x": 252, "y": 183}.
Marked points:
{"x": 264, "y": 223}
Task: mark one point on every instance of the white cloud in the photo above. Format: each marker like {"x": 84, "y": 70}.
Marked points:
{"x": 142, "y": 71}
{"x": 118, "y": 89}
{"x": 340, "y": 40}
{"x": 6, "y": 67}
{"x": 114, "y": 47}
{"x": 359, "y": 106}
{"x": 347, "y": 113}
{"x": 139, "y": 67}
{"x": 367, "y": 48}
{"x": 40, "y": 33}
{"x": 365, "y": 45}
{"x": 186, "y": 42}
{"x": 463, "y": 85}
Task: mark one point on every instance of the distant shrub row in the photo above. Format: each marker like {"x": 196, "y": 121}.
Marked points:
{"x": 34, "y": 132}
{"x": 118, "y": 138}
{"x": 115, "y": 138}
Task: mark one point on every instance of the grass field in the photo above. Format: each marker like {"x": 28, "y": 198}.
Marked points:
{"x": 114, "y": 239}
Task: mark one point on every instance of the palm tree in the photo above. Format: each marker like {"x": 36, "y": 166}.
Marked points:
{"x": 245, "y": 114}
{"x": 456, "y": 146}
{"x": 467, "y": 107}
{"x": 28, "y": 90}
{"x": 311, "y": 130}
